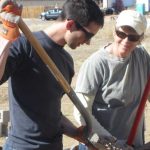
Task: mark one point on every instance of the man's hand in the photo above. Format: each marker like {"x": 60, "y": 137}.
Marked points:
{"x": 79, "y": 136}
{"x": 69, "y": 129}
{"x": 10, "y": 13}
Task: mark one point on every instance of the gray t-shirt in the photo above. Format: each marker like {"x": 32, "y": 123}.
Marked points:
{"x": 118, "y": 85}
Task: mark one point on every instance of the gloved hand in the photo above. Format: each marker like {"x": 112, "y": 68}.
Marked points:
{"x": 10, "y": 13}
{"x": 103, "y": 142}
{"x": 109, "y": 143}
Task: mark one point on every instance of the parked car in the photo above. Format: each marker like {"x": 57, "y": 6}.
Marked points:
{"x": 51, "y": 14}
{"x": 109, "y": 11}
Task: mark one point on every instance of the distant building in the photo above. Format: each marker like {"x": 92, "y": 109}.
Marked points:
{"x": 109, "y": 3}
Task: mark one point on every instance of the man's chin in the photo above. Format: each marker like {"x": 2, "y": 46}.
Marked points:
{"x": 73, "y": 46}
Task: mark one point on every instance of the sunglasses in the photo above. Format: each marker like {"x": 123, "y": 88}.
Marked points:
{"x": 88, "y": 34}
{"x": 131, "y": 38}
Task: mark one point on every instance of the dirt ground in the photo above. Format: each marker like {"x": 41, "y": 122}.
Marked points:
{"x": 79, "y": 56}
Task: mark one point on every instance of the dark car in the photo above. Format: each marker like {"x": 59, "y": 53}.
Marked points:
{"x": 51, "y": 14}
{"x": 109, "y": 11}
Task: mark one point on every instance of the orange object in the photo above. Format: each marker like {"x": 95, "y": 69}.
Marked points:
{"x": 10, "y": 30}
{"x": 9, "y": 33}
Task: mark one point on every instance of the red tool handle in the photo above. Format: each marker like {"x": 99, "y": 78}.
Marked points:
{"x": 139, "y": 113}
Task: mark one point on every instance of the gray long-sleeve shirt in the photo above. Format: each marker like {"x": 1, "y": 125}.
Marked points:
{"x": 117, "y": 85}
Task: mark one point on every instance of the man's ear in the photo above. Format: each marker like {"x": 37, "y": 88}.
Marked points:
{"x": 70, "y": 24}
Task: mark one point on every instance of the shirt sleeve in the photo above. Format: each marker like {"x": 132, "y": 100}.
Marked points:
{"x": 90, "y": 76}
{"x": 87, "y": 102}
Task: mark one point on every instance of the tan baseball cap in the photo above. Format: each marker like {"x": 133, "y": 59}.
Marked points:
{"x": 133, "y": 19}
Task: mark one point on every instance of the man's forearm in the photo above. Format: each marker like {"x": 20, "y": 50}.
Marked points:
{"x": 69, "y": 128}
{"x": 4, "y": 51}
